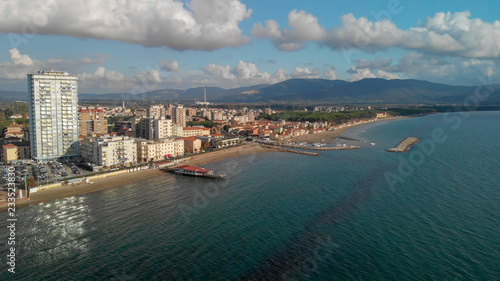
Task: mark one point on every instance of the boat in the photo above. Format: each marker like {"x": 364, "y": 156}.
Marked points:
{"x": 372, "y": 143}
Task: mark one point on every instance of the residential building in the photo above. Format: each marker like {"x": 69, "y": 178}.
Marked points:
{"x": 179, "y": 115}
{"x": 162, "y": 128}
{"x": 92, "y": 121}
{"x": 53, "y": 100}
{"x": 157, "y": 150}
{"x": 192, "y": 144}
{"x": 156, "y": 111}
{"x": 177, "y": 130}
{"x": 9, "y": 153}
{"x": 108, "y": 151}
{"x": 195, "y": 131}
{"x": 152, "y": 129}
{"x": 14, "y": 130}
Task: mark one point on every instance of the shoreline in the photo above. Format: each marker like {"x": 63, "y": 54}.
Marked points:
{"x": 329, "y": 136}
{"x": 99, "y": 184}
{"x": 196, "y": 160}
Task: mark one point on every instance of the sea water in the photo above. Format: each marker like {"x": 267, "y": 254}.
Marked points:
{"x": 432, "y": 213}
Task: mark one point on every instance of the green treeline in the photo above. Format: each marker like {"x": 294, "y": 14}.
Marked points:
{"x": 206, "y": 124}
{"x": 333, "y": 117}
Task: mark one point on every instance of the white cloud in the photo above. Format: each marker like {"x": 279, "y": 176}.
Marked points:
{"x": 300, "y": 72}
{"x": 362, "y": 73}
{"x": 243, "y": 74}
{"x": 330, "y": 74}
{"x": 201, "y": 25}
{"x": 451, "y": 34}
{"x": 220, "y": 71}
{"x": 169, "y": 65}
{"x": 19, "y": 59}
{"x": 305, "y": 27}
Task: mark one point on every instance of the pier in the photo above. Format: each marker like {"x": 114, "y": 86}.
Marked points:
{"x": 195, "y": 172}
{"x": 404, "y": 145}
{"x": 322, "y": 147}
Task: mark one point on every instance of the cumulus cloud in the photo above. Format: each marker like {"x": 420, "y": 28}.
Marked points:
{"x": 18, "y": 59}
{"x": 362, "y": 73}
{"x": 300, "y": 72}
{"x": 330, "y": 74}
{"x": 243, "y": 74}
{"x": 450, "y": 34}
{"x": 15, "y": 70}
{"x": 199, "y": 25}
{"x": 169, "y": 65}
{"x": 304, "y": 27}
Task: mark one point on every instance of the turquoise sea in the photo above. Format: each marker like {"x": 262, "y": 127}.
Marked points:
{"x": 432, "y": 213}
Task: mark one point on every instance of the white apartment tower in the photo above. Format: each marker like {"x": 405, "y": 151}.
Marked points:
{"x": 53, "y": 100}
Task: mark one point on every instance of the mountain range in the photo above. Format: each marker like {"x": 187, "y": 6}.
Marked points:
{"x": 365, "y": 91}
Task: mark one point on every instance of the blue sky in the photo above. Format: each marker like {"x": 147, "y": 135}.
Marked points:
{"x": 135, "y": 46}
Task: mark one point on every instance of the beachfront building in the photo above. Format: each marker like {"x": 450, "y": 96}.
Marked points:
{"x": 192, "y": 144}
{"x": 109, "y": 151}
{"x": 53, "y": 100}
{"x": 382, "y": 114}
{"x": 91, "y": 120}
{"x": 157, "y": 150}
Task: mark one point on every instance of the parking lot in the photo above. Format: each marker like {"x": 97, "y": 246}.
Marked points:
{"x": 42, "y": 173}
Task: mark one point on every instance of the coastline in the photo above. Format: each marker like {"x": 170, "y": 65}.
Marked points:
{"x": 201, "y": 159}
{"x": 328, "y": 136}
{"x": 126, "y": 178}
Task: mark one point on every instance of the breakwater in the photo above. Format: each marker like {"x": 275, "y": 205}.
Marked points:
{"x": 322, "y": 147}
{"x": 279, "y": 148}
{"x": 404, "y": 145}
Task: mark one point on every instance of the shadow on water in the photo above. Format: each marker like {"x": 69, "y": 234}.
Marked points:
{"x": 301, "y": 252}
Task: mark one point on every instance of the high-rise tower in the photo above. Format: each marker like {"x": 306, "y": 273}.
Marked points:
{"x": 53, "y": 100}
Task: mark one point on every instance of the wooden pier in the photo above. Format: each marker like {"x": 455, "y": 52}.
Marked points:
{"x": 180, "y": 171}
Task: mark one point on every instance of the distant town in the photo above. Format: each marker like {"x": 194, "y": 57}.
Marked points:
{"x": 53, "y": 129}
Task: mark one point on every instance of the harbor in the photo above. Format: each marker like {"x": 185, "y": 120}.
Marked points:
{"x": 404, "y": 145}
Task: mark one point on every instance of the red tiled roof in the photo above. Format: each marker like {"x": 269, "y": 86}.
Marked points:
{"x": 9, "y": 145}
{"x": 195, "y": 169}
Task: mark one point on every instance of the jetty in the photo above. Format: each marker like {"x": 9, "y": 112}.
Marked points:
{"x": 404, "y": 145}
{"x": 280, "y": 148}
{"x": 195, "y": 172}
{"x": 321, "y": 147}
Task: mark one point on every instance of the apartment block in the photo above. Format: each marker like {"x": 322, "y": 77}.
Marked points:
{"x": 109, "y": 151}
{"x": 157, "y": 150}
{"x": 53, "y": 100}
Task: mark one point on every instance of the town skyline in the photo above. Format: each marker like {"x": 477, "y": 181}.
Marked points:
{"x": 113, "y": 48}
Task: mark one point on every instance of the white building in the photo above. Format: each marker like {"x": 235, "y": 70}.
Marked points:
{"x": 162, "y": 128}
{"x": 53, "y": 100}
{"x": 157, "y": 150}
{"x": 109, "y": 151}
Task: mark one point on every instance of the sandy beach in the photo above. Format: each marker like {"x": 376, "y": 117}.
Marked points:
{"x": 328, "y": 136}
{"x": 197, "y": 160}
{"x": 122, "y": 179}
